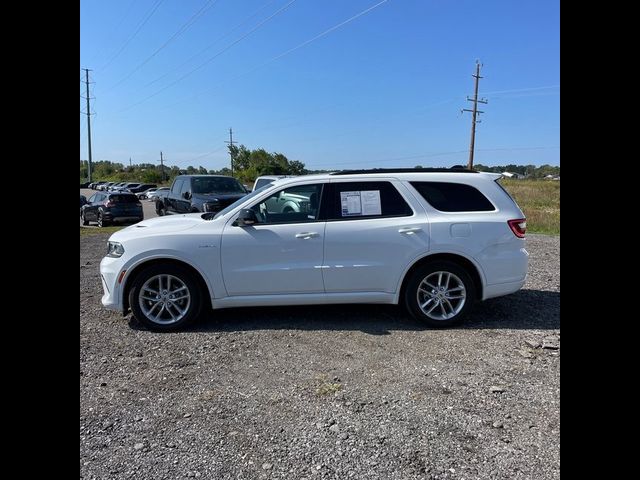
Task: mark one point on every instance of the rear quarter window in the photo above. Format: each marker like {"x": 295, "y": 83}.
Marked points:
{"x": 453, "y": 197}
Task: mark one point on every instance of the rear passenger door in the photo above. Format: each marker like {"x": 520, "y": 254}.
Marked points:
{"x": 372, "y": 234}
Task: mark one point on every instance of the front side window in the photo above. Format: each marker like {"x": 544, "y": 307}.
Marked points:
{"x": 186, "y": 187}
{"x": 358, "y": 200}
{"x": 177, "y": 185}
{"x": 300, "y": 203}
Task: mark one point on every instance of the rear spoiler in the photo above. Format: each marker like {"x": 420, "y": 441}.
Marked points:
{"x": 492, "y": 175}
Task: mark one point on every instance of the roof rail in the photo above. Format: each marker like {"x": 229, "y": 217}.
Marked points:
{"x": 454, "y": 169}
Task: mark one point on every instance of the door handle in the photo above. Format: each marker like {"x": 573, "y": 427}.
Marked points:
{"x": 306, "y": 235}
{"x": 409, "y": 230}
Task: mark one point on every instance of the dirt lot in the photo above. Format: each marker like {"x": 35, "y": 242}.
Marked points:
{"x": 336, "y": 392}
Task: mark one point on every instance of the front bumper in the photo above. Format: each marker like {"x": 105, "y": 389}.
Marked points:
{"x": 110, "y": 269}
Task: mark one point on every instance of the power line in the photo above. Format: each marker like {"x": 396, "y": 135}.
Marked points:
{"x": 188, "y": 24}
{"x": 210, "y": 45}
{"x": 438, "y": 154}
{"x": 206, "y": 154}
{"x": 142, "y": 24}
{"x": 528, "y": 89}
{"x": 291, "y": 50}
{"x": 212, "y": 58}
{"x": 113, "y": 30}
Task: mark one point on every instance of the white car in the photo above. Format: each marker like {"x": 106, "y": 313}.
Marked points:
{"x": 434, "y": 240}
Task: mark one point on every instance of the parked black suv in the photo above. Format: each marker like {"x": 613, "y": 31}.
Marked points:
{"x": 106, "y": 208}
{"x": 200, "y": 193}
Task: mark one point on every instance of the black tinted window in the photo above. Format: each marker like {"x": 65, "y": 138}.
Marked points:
{"x": 453, "y": 197}
{"x": 354, "y": 200}
{"x": 216, "y": 185}
{"x": 121, "y": 198}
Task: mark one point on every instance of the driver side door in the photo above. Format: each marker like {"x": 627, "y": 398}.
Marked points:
{"x": 281, "y": 254}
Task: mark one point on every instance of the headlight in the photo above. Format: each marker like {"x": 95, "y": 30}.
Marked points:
{"x": 114, "y": 249}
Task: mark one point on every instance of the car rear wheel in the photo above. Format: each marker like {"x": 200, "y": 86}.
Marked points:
{"x": 165, "y": 297}
{"x": 440, "y": 293}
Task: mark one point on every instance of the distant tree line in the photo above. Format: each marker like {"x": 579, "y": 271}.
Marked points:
{"x": 249, "y": 164}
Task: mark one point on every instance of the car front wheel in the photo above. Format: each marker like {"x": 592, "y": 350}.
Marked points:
{"x": 440, "y": 293}
{"x": 165, "y": 297}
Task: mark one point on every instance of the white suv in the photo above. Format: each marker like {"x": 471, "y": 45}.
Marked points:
{"x": 434, "y": 240}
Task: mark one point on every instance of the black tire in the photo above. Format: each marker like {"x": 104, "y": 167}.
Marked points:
{"x": 160, "y": 210}
{"x": 181, "y": 277}
{"x": 446, "y": 309}
{"x": 101, "y": 221}
{"x": 84, "y": 219}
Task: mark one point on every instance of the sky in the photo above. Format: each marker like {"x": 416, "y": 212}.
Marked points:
{"x": 335, "y": 84}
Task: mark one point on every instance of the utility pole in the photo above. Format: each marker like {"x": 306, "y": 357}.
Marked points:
{"x": 162, "y": 166}
{"x": 86, "y": 70}
{"x": 129, "y": 161}
{"x": 475, "y": 113}
{"x": 231, "y": 142}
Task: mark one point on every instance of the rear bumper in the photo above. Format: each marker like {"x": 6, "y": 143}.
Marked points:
{"x": 128, "y": 217}
{"x": 497, "y": 290}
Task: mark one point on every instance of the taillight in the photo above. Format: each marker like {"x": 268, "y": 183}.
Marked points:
{"x": 518, "y": 226}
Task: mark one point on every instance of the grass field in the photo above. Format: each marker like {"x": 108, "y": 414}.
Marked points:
{"x": 540, "y": 202}
{"x": 95, "y": 231}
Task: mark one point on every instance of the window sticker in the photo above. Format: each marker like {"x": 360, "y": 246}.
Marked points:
{"x": 359, "y": 203}
{"x": 371, "y": 202}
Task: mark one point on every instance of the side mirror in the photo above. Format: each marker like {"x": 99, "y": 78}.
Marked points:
{"x": 186, "y": 195}
{"x": 246, "y": 218}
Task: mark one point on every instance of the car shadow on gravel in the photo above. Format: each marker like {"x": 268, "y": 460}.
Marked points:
{"x": 523, "y": 310}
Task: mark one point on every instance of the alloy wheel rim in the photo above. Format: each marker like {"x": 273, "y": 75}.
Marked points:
{"x": 441, "y": 295}
{"x": 164, "y": 299}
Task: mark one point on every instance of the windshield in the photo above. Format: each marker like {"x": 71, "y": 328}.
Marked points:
{"x": 226, "y": 210}
{"x": 218, "y": 185}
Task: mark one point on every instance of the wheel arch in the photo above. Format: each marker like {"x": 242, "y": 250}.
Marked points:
{"x": 133, "y": 272}
{"x": 471, "y": 268}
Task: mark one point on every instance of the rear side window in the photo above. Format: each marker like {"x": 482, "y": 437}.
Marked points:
{"x": 453, "y": 197}
{"x": 123, "y": 198}
{"x": 357, "y": 200}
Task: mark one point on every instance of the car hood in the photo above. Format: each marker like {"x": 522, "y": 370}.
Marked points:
{"x": 158, "y": 225}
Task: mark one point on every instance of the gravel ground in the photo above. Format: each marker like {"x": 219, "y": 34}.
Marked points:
{"x": 335, "y": 392}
